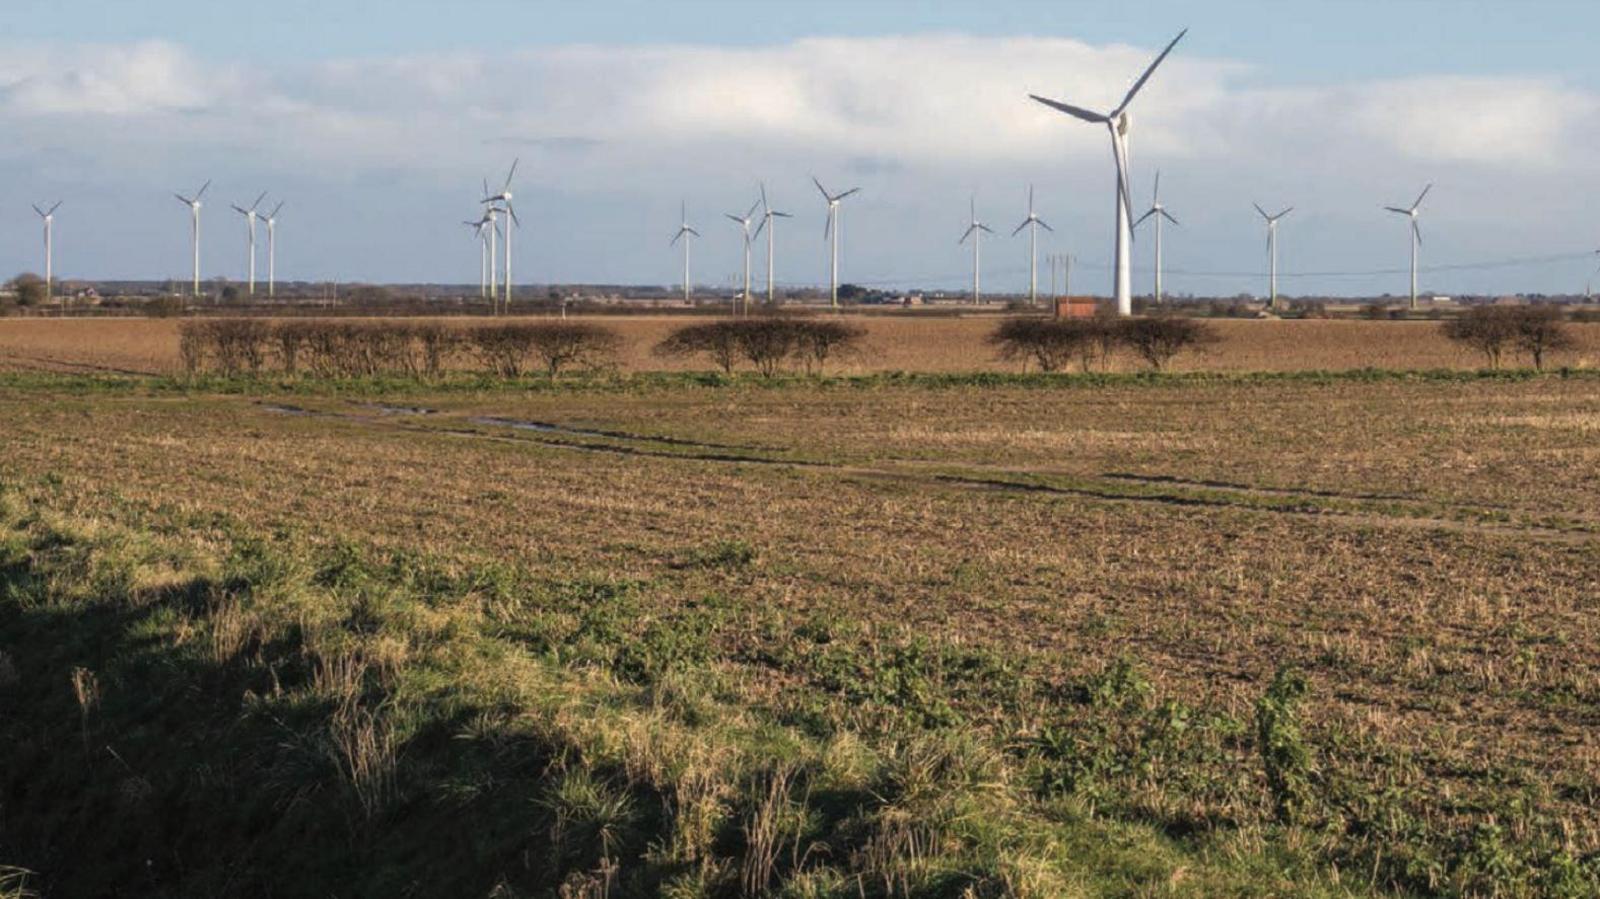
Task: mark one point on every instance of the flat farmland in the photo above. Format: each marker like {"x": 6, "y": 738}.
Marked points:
{"x": 1264, "y": 637}
{"x": 891, "y": 343}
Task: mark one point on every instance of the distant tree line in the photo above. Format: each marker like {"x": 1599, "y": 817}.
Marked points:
{"x": 766, "y": 343}
{"x": 1055, "y": 344}
{"x": 1496, "y": 331}
{"x": 341, "y": 349}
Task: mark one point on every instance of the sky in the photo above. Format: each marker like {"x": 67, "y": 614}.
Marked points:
{"x": 375, "y": 123}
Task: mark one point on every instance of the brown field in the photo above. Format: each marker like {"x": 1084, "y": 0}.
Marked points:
{"x": 1426, "y": 552}
{"x": 892, "y": 344}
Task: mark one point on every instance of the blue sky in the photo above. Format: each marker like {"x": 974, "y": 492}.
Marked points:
{"x": 374, "y": 121}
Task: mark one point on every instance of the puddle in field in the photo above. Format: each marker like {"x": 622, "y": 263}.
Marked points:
{"x": 390, "y": 409}
{"x": 544, "y": 427}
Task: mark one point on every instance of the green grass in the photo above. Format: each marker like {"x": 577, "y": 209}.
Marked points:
{"x": 200, "y": 709}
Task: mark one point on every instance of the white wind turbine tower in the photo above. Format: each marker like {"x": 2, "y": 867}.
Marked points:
{"x": 49, "y": 218}
{"x": 975, "y": 231}
{"x": 1159, "y": 212}
{"x": 1117, "y": 123}
{"x": 1272, "y": 253}
{"x": 1416, "y": 237}
{"x": 1033, "y": 223}
{"x": 491, "y": 214}
{"x": 687, "y": 235}
{"x": 768, "y": 214}
{"x": 271, "y": 219}
{"x": 831, "y": 229}
{"x": 194, "y": 211}
{"x": 250, "y": 217}
{"x": 504, "y": 196}
{"x": 744, "y": 225}
{"x": 1588, "y": 289}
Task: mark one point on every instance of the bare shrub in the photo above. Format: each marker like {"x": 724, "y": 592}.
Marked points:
{"x": 193, "y": 345}
{"x": 1158, "y": 340}
{"x": 1049, "y": 343}
{"x": 232, "y": 345}
{"x": 766, "y": 342}
{"x": 717, "y": 340}
{"x": 504, "y": 348}
{"x": 1542, "y": 330}
{"x": 436, "y": 344}
{"x": 289, "y": 338}
{"x": 816, "y": 341}
{"x": 1491, "y": 330}
{"x": 567, "y": 345}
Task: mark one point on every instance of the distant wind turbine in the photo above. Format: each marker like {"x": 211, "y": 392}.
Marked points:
{"x": 48, "y": 216}
{"x": 272, "y": 249}
{"x": 1588, "y": 290}
{"x": 1159, "y": 212}
{"x": 194, "y": 211}
{"x": 831, "y": 229}
{"x": 1272, "y": 253}
{"x": 768, "y": 214}
{"x": 1117, "y": 123}
{"x": 1416, "y": 237}
{"x": 744, "y": 222}
{"x": 687, "y": 235}
{"x": 250, "y": 217}
{"x": 481, "y": 232}
{"x": 1033, "y": 223}
{"x": 504, "y": 197}
{"x": 976, "y": 231}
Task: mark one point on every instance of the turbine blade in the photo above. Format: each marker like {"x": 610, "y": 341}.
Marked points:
{"x": 820, "y": 189}
{"x": 967, "y": 233}
{"x": 827, "y": 229}
{"x": 1025, "y": 223}
{"x": 1139, "y": 85}
{"x": 38, "y": 210}
{"x": 1143, "y": 217}
{"x": 1285, "y": 212}
{"x": 238, "y": 209}
{"x": 753, "y": 207}
{"x": 1417, "y": 230}
{"x": 203, "y": 189}
{"x": 986, "y": 228}
{"x": 1168, "y": 216}
{"x": 1421, "y": 196}
{"x": 782, "y": 215}
{"x": 275, "y": 210}
{"x": 1397, "y": 209}
{"x": 853, "y": 190}
{"x": 258, "y": 200}
{"x": 759, "y": 228}
{"x": 735, "y": 218}
{"x": 1158, "y": 188}
{"x": 513, "y": 211}
{"x": 692, "y": 231}
{"x": 1069, "y": 109}
{"x": 183, "y": 199}
{"x": 1045, "y": 226}
{"x": 1262, "y": 211}
{"x": 764, "y": 196}
{"x": 1123, "y": 186}
{"x": 511, "y": 174}
{"x": 676, "y": 238}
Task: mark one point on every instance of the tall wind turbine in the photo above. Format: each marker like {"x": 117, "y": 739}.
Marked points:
{"x": 194, "y": 211}
{"x": 1117, "y": 123}
{"x": 504, "y": 197}
{"x": 1033, "y": 223}
{"x": 744, "y": 222}
{"x": 491, "y": 214}
{"x": 480, "y": 230}
{"x": 975, "y": 231}
{"x": 250, "y": 217}
{"x": 1272, "y": 253}
{"x": 1416, "y": 238}
{"x": 831, "y": 229}
{"x": 1588, "y": 289}
{"x": 48, "y": 216}
{"x": 1159, "y": 212}
{"x": 768, "y": 214}
{"x": 687, "y": 235}
{"x": 272, "y": 249}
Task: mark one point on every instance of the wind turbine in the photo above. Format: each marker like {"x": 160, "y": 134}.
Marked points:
{"x": 1117, "y": 123}
{"x": 744, "y": 224}
{"x": 194, "y": 210}
{"x": 975, "y": 231}
{"x": 491, "y": 214}
{"x": 272, "y": 249}
{"x": 1416, "y": 238}
{"x": 481, "y": 232}
{"x": 1033, "y": 223}
{"x": 832, "y": 229}
{"x": 1159, "y": 212}
{"x": 1272, "y": 253}
{"x": 504, "y": 196}
{"x": 250, "y": 217}
{"x": 49, "y": 218}
{"x": 767, "y": 216}
{"x": 1588, "y": 290}
{"x": 687, "y": 235}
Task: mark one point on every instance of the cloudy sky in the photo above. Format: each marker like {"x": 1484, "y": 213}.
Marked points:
{"x": 374, "y": 123}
